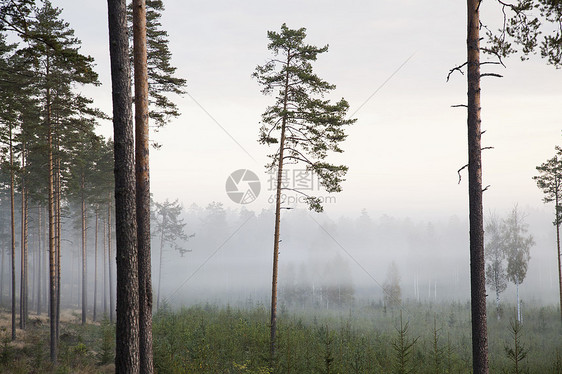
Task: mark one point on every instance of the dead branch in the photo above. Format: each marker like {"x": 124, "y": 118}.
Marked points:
{"x": 459, "y": 172}
{"x": 457, "y": 68}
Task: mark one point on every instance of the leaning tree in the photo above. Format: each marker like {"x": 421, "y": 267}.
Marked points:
{"x": 303, "y": 126}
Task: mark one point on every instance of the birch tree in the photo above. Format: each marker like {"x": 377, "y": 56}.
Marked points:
{"x": 495, "y": 254}
{"x": 518, "y": 245}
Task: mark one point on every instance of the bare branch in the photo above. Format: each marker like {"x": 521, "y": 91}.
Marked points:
{"x": 459, "y": 106}
{"x": 457, "y": 68}
{"x": 459, "y": 172}
{"x": 491, "y": 75}
{"x": 486, "y": 188}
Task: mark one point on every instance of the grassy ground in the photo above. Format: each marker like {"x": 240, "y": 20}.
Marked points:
{"x": 420, "y": 338}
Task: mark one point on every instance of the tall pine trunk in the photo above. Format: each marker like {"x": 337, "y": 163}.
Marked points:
{"x": 39, "y": 258}
{"x": 13, "y": 227}
{"x": 96, "y": 266}
{"x": 477, "y": 269}
{"x": 2, "y": 277}
{"x": 142, "y": 184}
{"x": 58, "y": 225}
{"x": 52, "y": 233}
{"x": 110, "y": 265}
{"x": 557, "y": 222}
{"x": 105, "y": 310}
{"x": 84, "y": 264}
{"x": 23, "y": 245}
{"x": 273, "y": 327}
{"x": 127, "y": 327}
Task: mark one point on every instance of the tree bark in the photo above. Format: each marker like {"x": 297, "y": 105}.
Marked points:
{"x": 477, "y": 263}
{"x": 52, "y": 232}
{"x": 273, "y": 332}
{"x": 58, "y": 226}
{"x": 13, "y": 227}
{"x": 39, "y": 258}
{"x": 84, "y": 265}
{"x": 23, "y": 245}
{"x": 96, "y": 266}
{"x": 105, "y": 271}
{"x": 110, "y": 265}
{"x": 142, "y": 185}
{"x": 127, "y": 327}
{"x": 557, "y": 220}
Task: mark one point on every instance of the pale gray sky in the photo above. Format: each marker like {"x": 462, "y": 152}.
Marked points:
{"x": 407, "y": 144}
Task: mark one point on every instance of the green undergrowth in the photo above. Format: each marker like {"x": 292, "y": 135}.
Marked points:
{"x": 419, "y": 338}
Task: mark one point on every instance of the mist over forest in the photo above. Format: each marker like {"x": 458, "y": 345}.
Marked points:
{"x": 230, "y": 260}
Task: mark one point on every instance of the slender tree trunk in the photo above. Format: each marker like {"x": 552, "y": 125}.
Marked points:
{"x": 557, "y": 220}
{"x": 2, "y": 278}
{"x": 46, "y": 264}
{"x": 39, "y": 258}
{"x": 498, "y": 304}
{"x": 110, "y": 265}
{"x": 96, "y": 266}
{"x": 52, "y": 233}
{"x": 518, "y": 304}
{"x": 23, "y": 258}
{"x": 160, "y": 263}
{"x": 127, "y": 328}
{"x": 477, "y": 266}
{"x": 58, "y": 225}
{"x": 84, "y": 264}
{"x": 13, "y": 227}
{"x": 273, "y": 332}
{"x": 142, "y": 185}
{"x": 105, "y": 311}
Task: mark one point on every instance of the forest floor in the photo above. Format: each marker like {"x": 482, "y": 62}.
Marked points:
{"x": 83, "y": 349}
{"x": 355, "y": 339}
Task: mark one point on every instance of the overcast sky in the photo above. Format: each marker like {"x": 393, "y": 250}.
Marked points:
{"x": 404, "y": 150}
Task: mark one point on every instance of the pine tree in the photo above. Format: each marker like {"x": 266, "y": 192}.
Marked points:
{"x": 127, "y": 339}
{"x": 58, "y": 65}
{"x": 476, "y": 216}
{"x": 549, "y": 181}
{"x": 303, "y": 125}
